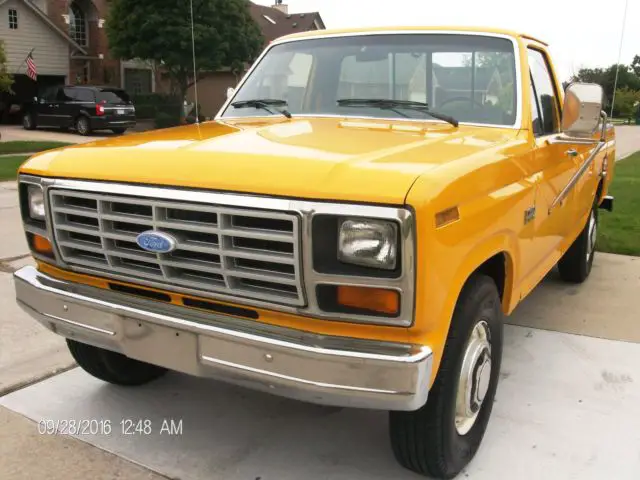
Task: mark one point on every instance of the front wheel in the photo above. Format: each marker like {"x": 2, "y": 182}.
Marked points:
{"x": 575, "y": 266}
{"x": 113, "y": 367}
{"x": 442, "y": 437}
{"x": 83, "y": 126}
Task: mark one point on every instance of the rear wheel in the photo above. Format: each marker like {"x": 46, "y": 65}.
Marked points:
{"x": 83, "y": 125}
{"x": 575, "y": 266}
{"x": 28, "y": 121}
{"x": 442, "y": 437}
{"x": 113, "y": 367}
{"x": 118, "y": 131}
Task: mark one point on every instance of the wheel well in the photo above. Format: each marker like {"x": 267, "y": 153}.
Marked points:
{"x": 495, "y": 267}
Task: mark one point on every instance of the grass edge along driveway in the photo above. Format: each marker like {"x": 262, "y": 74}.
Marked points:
{"x": 9, "y": 166}
{"x": 19, "y": 146}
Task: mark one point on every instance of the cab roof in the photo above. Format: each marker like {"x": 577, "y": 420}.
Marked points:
{"x": 426, "y": 29}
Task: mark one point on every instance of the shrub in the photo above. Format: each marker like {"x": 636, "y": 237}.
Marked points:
{"x": 148, "y": 105}
{"x": 166, "y": 120}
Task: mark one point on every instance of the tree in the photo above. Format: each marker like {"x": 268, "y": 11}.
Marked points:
{"x": 6, "y": 79}
{"x": 627, "y": 101}
{"x": 606, "y": 77}
{"x": 225, "y": 35}
{"x": 635, "y": 65}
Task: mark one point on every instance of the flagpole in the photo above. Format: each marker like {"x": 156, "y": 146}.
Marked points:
{"x": 24, "y": 61}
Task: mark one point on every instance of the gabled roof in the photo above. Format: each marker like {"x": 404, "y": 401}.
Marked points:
{"x": 43, "y": 16}
{"x": 274, "y": 23}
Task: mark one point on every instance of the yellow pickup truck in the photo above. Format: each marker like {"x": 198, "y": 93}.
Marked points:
{"x": 350, "y": 230}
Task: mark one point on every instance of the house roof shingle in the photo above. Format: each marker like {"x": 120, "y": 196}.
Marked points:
{"x": 282, "y": 23}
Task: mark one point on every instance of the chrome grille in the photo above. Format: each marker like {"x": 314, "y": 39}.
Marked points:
{"x": 241, "y": 252}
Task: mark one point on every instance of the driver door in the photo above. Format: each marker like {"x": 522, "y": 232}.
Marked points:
{"x": 555, "y": 165}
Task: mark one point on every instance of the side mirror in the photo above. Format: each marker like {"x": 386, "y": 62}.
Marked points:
{"x": 582, "y": 109}
{"x": 230, "y": 92}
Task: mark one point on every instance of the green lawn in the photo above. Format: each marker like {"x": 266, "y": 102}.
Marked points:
{"x": 28, "y": 147}
{"x": 620, "y": 230}
{"x": 9, "y": 166}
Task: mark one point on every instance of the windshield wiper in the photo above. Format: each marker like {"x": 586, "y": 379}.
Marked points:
{"x": 388, "y": 104}
{"x": 264, "y": 104}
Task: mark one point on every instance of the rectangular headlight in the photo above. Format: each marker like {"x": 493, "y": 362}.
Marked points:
{"x": 35, "y": 200}
{"x": 368, "y": 243}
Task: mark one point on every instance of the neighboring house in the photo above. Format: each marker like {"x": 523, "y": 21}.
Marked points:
{"x": 274, "y": 22}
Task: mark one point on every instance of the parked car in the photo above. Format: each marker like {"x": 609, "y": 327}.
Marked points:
{"x": 350, "y": 230}
{"x": 83, "y": 108}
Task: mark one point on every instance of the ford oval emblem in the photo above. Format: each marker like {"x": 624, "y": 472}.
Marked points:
{"x": 156, "y": 242}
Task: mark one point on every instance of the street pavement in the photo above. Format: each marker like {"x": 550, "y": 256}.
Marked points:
{"x": 601, "y": 308}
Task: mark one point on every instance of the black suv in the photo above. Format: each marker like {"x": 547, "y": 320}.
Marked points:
{"x": 83, "y": 108}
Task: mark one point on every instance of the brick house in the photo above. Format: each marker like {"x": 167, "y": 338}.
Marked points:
{"x": 69, "y": 44}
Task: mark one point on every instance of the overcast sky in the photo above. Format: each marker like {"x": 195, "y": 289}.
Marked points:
{"x": 582, "y": 33}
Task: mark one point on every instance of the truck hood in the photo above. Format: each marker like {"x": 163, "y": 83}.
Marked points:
{"x": 323, "y": 158}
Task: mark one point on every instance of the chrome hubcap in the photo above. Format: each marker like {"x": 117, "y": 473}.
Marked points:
{"x": 592, "y": 235}
{"x": 475, "y": 377}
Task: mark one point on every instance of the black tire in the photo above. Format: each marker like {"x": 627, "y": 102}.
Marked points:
{"x": 118, "y": 131}
{"x": 575, "y": 265}
{"x": 113, "y": 367}
{"x": 83, "y": 125}
{"x": 428, "y": 441}
{"x": 28, "y": 121}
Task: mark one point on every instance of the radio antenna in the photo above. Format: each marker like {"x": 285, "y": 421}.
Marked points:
{"x": 615, "y": 83}
{"x": 195, "y": 71}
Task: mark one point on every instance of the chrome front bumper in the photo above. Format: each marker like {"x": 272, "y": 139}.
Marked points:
{"x": 314, "y": 368}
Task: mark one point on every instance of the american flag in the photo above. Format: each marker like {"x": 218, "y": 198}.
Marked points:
{"x": 32, "y": 71}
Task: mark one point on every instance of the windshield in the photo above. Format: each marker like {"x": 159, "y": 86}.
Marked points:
{"x": 468, "y": 77}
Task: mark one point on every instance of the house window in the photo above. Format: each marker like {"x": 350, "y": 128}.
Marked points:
{"x": 13, "y": 19}
{"x": 137, "y": 81}
{"x": 77, "y": 25}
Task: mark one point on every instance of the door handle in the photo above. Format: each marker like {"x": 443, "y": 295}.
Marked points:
{"x": 572, "y": 152}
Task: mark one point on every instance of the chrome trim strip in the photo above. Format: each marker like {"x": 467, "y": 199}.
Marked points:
{"x": 574, "y": 180}
{"x": 293, "y": 363}
{"x": 601, "y": 144}
{"x": 516, "y": 46}
{"x": 268, "y": 374}
{"x": 307, "y": 210}
{"x": 70, "y": 322}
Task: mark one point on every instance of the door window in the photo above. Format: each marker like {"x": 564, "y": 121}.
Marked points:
{"x": 84, "y": 95}
{"x": 536, "y": 120}
{"x": 545, "y": 93}
{"x": 66, "y": 95}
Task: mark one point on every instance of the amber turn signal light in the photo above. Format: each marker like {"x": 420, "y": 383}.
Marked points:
{"x": 41, "y": 245}
{"x": 375, "y": 299}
